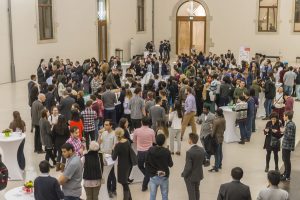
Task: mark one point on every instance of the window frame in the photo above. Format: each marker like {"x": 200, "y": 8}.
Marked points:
{"x": 141, "y": 14}
{"x": 41, "y": 30}
{"x": 268, "y": 15}
{"x": 294, "y": 26}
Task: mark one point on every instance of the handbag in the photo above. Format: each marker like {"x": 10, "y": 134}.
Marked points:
{"x": 275, "y": 143}
{"x": 132, "y": 155}
{"x": 273, "y": 106}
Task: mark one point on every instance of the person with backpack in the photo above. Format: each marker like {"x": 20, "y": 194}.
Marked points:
{"x": 3, "y": 175}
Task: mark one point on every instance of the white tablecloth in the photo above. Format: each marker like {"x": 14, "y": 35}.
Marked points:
{"x": 18, "y": 194}
{"x": 9, "y": 148}
{"x": 231, "y": 133}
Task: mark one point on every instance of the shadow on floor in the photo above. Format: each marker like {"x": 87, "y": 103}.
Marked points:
{"x": 293, "y": 187}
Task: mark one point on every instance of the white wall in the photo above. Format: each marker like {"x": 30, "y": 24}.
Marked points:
{"x": 4, "y": 44}
{"x": 234, "y": 24}
{"x": 76, "y": 35}
{"x": 123, "y": 26}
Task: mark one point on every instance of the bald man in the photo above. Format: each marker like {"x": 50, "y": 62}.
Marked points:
{"x": 36, "y": 109}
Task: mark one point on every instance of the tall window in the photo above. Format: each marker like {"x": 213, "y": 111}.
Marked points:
{"x": 45, "y": 19}
{"x": 267, "y": 19}
{"x": 141, "y": 15}
{"x": 297, "y": 16}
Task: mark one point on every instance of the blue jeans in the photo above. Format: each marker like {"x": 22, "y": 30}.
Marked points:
{"x": 218, "y": 156}
{"x": 288, "y": 89}
{"x": 243, "y": 130}
{"x": 249, "y": 127}
{"x": 163, "y": 182}
{"x": 298, "y": 92}
{"x": 268, "y": 106}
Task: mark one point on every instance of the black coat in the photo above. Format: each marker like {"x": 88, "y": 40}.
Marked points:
{"x": 122, "y": 152}
{"x": 65, "y": 107}
{"x": 272, "y": 140}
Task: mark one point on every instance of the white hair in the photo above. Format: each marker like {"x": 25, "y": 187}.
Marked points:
{"x": 94, "y": 146}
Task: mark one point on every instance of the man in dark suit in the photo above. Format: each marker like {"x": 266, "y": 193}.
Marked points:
{"x": 235, "y": 190}
{"x": 193, "y": 171}
{"x": 66, "y": 105}
{"x": 45, "y": 186}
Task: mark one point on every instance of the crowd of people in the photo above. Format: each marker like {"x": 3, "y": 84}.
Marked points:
{"x": 81, "y": 112}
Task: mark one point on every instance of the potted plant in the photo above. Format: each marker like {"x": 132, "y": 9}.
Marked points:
{"x": 28, "y": 187}
{"x": 7, "y": 132}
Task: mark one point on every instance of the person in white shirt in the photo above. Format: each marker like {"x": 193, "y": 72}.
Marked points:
{"x": 176, "y": 117}
{"x": 107, "y": 141}
{"x": 273, "y": 192}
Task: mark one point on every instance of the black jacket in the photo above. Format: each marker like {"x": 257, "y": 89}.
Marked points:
{"x": 158, "y": 159}
{"x": 270, "y": 90}
{"x": 234, "y": 190}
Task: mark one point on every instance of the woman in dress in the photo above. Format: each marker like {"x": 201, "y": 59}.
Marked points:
{"x": 272, "y": 140}
{"x": 122, "y": 152}
{"x": 18, "y": 125}
{"x": 60, "y": 134}
{"x": 46, "y": 136}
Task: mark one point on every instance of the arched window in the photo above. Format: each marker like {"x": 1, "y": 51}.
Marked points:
{"x": 45, "y": 20}
{"x": 190, "y": 9}
{"x": 267, "y": 17}
{"x": 297, "y": 16}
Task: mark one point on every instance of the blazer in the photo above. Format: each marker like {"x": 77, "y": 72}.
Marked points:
{"x": 195, "y": 158}
{"x": 36, "y": 110}
{"x": 234, "y": 190}
{"x": 219, "y": 126}
{"x": 206, "y": 125}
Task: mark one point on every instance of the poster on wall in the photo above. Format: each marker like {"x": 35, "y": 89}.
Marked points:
{"x": 244, "y": 54}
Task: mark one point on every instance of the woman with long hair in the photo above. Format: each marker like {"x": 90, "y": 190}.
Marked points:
{"x": 219, "y": 125}
{"x": 123, "y": 124}
{"x": 175, "y": 117}
{"x": 60, "y": 133}
{"x": 46, "y": 136}
{"x": 122, "y": 152}
{"x": 162, "y": 128}
{"x": 18, "y": 125}
{"x": 272, "y": 140}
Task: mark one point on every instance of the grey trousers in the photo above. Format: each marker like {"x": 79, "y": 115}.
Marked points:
{"x": 193, "y": 189}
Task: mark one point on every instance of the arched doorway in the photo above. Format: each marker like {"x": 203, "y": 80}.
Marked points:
{"x": 190, "y": 28}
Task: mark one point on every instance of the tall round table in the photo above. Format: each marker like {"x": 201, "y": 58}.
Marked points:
{"x": 18, "y": 194}
{"x": 9, "y": 148}
{"x": 231, "y": 134}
